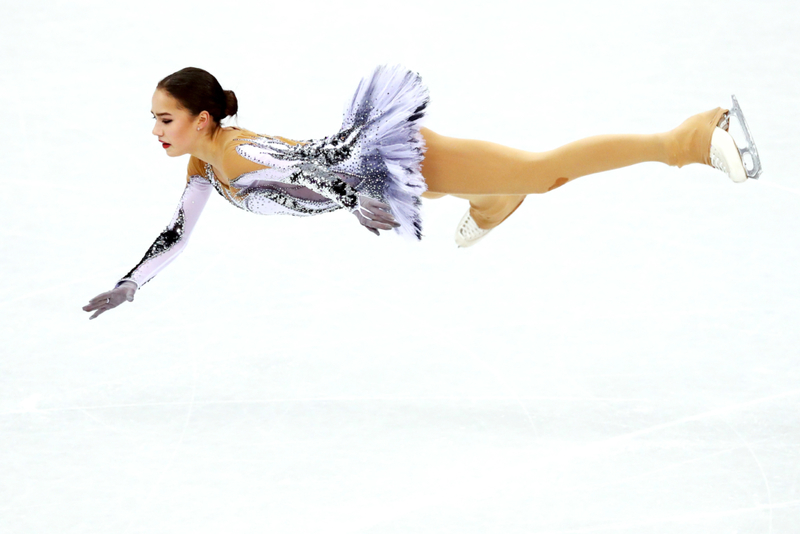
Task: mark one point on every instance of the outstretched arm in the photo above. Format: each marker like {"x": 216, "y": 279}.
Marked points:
{"x": 167, "y": 246}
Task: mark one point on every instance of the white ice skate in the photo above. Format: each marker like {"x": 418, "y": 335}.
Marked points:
{"x": 468, "y": 232}
{"x": 738, "y": 163}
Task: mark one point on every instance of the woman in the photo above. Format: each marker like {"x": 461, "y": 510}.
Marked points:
{"x": 374, "y": 165}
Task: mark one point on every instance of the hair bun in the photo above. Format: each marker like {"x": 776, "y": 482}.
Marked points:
{"x": 231, "y": 104}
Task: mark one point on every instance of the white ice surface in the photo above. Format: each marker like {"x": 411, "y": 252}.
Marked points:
{"x": 622, "y": 355}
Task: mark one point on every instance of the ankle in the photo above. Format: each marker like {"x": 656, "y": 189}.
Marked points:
{"x": 690, "y": 142}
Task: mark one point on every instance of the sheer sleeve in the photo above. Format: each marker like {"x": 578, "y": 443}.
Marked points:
{"x": 171, "y": 242}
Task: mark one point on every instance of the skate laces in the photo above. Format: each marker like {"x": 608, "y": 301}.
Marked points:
{"x": 717, "y": 159}
{"x": 470, "y": 229}
{"x": 718, "y": 163}
{"x": 724, "y": 122}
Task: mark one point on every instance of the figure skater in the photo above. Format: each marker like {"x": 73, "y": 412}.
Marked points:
{"x": 382, "y": 161}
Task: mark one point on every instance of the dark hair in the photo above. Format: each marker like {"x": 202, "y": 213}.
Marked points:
{"x": 197, "y": 90}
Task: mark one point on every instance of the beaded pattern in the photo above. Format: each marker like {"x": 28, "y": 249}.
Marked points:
{"x": 165, "y": 241}
{"x": 263, "y": 199}
{"x": 311, "y": 164}
{"x": 376, "y": 153}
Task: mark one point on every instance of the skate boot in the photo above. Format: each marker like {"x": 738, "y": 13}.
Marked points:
{"x": 738, "y": 163}
{"x": 468, "y": 232}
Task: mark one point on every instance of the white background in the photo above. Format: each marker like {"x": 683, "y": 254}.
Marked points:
{"x": 620, "y": 356}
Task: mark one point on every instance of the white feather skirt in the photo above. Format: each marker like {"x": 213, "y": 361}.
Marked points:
{"x": 387, "y": 110}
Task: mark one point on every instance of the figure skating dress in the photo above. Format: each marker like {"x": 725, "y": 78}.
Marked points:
{"x": 377, "y": 152}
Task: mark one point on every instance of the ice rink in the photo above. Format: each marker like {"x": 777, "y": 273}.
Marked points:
{"x": 622, "y": 355}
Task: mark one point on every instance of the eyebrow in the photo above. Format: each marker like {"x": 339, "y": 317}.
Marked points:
{"x": 160, "y": 114}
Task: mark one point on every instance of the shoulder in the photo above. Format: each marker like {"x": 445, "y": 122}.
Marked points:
{"x": 196, "y": 167}
{"x": 234, "y": 164}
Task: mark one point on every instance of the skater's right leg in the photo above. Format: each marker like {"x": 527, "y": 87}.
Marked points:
{"x": 489, "y": 211}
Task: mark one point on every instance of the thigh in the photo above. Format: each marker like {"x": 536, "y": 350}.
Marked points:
{"x": 471, "y": 167}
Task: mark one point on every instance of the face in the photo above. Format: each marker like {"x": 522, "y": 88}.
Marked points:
{"x": 176, "y": 128}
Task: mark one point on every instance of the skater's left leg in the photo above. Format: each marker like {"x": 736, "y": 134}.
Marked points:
{"x": 469, "y": 167}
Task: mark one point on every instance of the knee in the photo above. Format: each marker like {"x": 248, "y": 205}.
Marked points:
{"x": 490, "y": 211}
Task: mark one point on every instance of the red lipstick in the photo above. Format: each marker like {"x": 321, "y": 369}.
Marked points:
{"x": 165, "y": 145}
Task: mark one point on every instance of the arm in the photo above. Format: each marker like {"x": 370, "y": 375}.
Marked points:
{"x": 326, "y": 184}
{"x": 171, "y": 242}
{"x": 371, "y": 213}
{"x": 166, "y": 248}
{"x": 304, "y": 163}
{"x": 307, "y": 164}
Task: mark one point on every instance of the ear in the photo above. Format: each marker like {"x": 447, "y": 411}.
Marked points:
{"x": 203, "y": 120}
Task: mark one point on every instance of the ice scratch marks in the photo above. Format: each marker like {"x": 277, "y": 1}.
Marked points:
{"x": 658, "y": 471}
{"x": 760, "y": 468}
{"x": 697, "y": 417}
{"x": 176, "y": 448}
{"x": 299, "y": 400}
{"x": 100, "y": 422}
{"x": 509, "y": 388}
{"x": 680, "y": 518}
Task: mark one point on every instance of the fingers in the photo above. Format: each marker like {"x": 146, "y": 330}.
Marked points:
{"x": 379, "y": 225}
{"x": 369, "y": 223}
{"x": 102, "y": 297}
{"x": 378, "y": 211}
{"x": 94, "y": 304}
{"x": 372, "y": 203}
{"x": 381, "y": 217}
{"x": 384, "y": 219}
{"x": 374, "y": 215}
{"x": 102, "y": 309}
{"x": 109, "y": 300}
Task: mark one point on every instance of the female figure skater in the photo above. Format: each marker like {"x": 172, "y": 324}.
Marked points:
{"x": 374, "y": 167}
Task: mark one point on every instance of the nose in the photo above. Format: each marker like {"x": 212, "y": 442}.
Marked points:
{"x": 157, "y": 131}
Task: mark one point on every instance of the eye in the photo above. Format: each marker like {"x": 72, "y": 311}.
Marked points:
{"x": 167, "y": 121}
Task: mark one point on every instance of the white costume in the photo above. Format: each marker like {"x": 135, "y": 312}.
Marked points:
{"x": 376, "y": 153}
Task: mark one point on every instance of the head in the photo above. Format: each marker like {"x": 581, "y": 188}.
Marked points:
{"x": 189, "y": 105}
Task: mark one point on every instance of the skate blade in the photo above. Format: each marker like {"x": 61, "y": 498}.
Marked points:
{"x": 752, "y": 163}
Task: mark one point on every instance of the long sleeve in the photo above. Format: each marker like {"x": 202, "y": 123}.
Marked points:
{"x": 171, "y": 242}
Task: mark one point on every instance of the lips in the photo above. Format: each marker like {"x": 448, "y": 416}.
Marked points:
{"x": 165, "y": 145}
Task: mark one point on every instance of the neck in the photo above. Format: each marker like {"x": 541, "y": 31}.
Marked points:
{"x": 208, "y": 147}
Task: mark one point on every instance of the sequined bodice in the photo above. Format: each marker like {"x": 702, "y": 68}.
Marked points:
{"x": 257, "y": 193}
{"x": 274, "y": 175}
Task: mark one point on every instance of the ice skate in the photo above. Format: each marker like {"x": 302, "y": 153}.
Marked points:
{"x": 738, "y": 163}
{"x": 468, "y": 232}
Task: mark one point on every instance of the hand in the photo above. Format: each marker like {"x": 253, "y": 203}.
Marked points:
{"x": 111, "y": 299}
{"x": 374, "y": 215}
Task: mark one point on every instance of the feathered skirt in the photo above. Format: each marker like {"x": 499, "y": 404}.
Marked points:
{"x": 387, "y": 110}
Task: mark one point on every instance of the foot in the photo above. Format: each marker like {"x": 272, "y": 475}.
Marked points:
{"x": 468, "y": 232}
{"x": 726, "y": 156}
